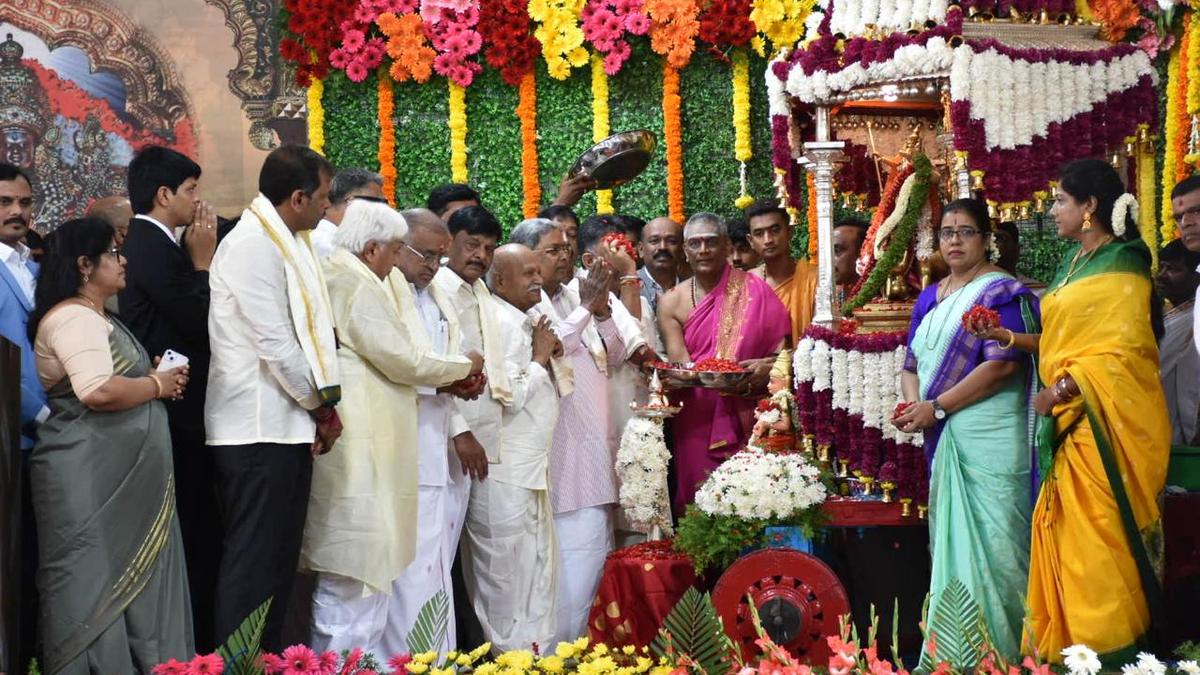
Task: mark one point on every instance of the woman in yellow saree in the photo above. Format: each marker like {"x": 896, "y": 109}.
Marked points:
{"x": 1105, "y": 436}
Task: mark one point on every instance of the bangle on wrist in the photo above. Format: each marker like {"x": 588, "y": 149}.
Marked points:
{"x": 158, "y": 387}
{"x": 1012, "y": 339}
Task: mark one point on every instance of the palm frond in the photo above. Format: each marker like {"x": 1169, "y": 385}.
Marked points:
{"x": 429, "y": 632}
{"x": 241, "y": 649}
{"x": 693, "y": 628}
{"x": 958, "y": 630}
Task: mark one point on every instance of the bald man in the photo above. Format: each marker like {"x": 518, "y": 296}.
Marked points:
{"x": 662, "y": 251}
{"x": 115, "y": 211}
{"x": 509, "y": 547}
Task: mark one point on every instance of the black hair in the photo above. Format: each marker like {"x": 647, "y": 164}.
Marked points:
{"x": 157, "y": 167}
{"x": 34, "y": 240}
{"x": 1088, "y": 178}
{"x": 631, "y": 225}
{"x": 475, "y": 220}
{"x": 766, "y": 207}
{"x": 348, "y": 180}
{"x": 973, "y": 208}
{"x": 1183, "y": 187}
{"x": 12, "y": 172}
{"x": 558, "y": 211}
{"x": 289, "y": 168}
{"x": 441, "y": 196}
{"x": 593, "y": 229}
{"x": 739, "y": 231}
{"x": 1011, "y": 228}
{"x": 60, "y": 278}
{"x": 857, "y": 223}
{"x": 1176, "y": 251}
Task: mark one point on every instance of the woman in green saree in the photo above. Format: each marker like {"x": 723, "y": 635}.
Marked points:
{"x": 111, "y": 578}
{"x": 970, "y": 397}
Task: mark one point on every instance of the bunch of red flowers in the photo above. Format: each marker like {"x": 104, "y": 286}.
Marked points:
{"x": 727, "y": 23}
{"x": 901, "y": 407}
{"x": 717, "y": 366}
{"x": 511, "y": 48}
{"x": 979, "y": 318}
{"x": 621, "y": 242}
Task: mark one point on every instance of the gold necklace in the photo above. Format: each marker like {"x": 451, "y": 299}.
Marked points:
{"x": 978, "y": 268}
{"x": 96, "y": 309}
{"x": 1071, "y": 271}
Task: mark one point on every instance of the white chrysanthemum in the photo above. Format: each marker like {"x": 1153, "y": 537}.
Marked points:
{"x": 754, "y": 485}
{"x": 642, "y": 472}
{"x": 1131, "y": 669}
{"x": 1150, "y": 664}
{"x": 1080, "y": 660}
{"x": 1188, "y": 667}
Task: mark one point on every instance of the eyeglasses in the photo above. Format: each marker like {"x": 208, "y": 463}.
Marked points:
{"x": 430, "y": 259}
{"x": 963, "y": 233}
{"x": 115, "y": 252}
{"x": 560, "y": 249}
{"x": 697, "y": 243}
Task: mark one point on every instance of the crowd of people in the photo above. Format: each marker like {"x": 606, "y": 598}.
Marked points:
{"x": 410, "y": 402}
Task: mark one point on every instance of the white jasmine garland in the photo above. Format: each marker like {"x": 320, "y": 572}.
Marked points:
{"x": 755, "y": 485}
{"x": 802, "y": 361}
{"x": 937, "y": 10}
{"x": 642, "y": 471}
{"x": 838, "y": 375}
{"x": 1125, "y": 204}
{"x": 925, "y": 234}
{"x": 777, "y": 102}
{"x": 872, "y": 406}
{"x": 1080, "y": 660}
{"x": 893, "y": 219}
{"x": 822, "y": 376}
{"x": 854, "y": 382}
{"x": 868, "y": 14}
{"x": 960, "y": 73}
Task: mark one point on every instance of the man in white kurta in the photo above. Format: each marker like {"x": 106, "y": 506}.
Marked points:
{"x": 442, "y": 495}
{"x": 509, "y": 552}
{"x": 361, "y": 532}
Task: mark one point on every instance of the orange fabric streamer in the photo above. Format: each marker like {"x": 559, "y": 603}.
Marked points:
{"x": 527, "y": 113}
{"x": 673, "y": 135}
{"x": 387, "y": 136}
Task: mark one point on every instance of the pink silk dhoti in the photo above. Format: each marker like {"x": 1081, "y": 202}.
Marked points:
{"x": 740, "y": 319}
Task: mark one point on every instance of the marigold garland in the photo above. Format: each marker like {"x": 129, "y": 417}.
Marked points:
{"x": 673, "y": 137}
{"x": 387, "y": 137}
{"x": 1146, "y": 185}
{"x": 412, "y": 57}
{"x": 458, "y": 133}
{"x": 742, "y": 150}
{"x": 1170, "y": 139}
{"x": 600, "y": 123}
{"x": 810, "y": 186}
{"x": 527, "y": 113}
{"x": 316, "y": 115}
{"x": 673, "y": 29}
{"x": 560, "y": 34}
{"x": 1183, "y": 123}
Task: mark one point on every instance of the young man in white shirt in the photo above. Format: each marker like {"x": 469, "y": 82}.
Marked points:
{"x": 509, "y": 551}
{"x": 272, "y": 385}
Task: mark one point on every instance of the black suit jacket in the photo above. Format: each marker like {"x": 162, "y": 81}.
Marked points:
{"x": 165, "y": 304}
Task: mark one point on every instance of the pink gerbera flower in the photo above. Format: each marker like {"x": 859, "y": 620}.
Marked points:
{"x": 171, "y": 667}
{"x": 327, "y": 663}
{"x": 209, "y": 664}
{"x": 353, "y": 40}
{"x": 299, "y": 659}
{"x": 365, "y": 13}
{"x": 356, "y": 70}
{"x": 352, "y": 661}
{"x": 339, "y": 59}
{"x": 637, "y": 23}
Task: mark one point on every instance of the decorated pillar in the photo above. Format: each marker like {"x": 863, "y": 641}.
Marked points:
{"x": 822, "y": 157}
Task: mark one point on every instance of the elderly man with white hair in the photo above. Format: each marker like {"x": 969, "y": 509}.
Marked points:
{"x": 361, "y": 531}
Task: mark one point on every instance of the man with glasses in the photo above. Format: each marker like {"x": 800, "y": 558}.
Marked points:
{"x": 347, "y": 184}
{"x": 444, "y": 484}
{"x": 794, "y": 281}
{"x": 723, "y": 313}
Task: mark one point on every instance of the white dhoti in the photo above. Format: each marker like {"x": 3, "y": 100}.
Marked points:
{"x": 343, "y": 618}
{"x": 509, "y": 557}
{"x": 585, "y": 538}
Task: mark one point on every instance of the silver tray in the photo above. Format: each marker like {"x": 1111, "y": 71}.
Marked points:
{"x": 617, "y": 159}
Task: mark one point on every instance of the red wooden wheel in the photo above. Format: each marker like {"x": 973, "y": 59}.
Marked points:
{"x": 799, "y": 600}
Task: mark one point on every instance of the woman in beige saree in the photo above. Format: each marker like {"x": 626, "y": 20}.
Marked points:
{"x": 111, "y": 578}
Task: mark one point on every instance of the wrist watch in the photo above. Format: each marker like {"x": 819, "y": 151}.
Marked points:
{"x": 939, "y": 413}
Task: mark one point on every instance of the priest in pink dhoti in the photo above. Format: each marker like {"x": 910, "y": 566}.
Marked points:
{"x": 724, "y": 313}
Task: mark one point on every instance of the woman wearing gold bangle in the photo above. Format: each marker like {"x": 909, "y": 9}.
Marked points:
{"x": 971, "y": 400}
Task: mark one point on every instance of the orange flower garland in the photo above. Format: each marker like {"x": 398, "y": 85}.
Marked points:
{"x": 1178, "y": 112}
{"x": 410, "y": 51}
{"x": 673, "y": 136}
{"x": 673, "y": 29}
{"x": 527, "y": 113}
{"x": 387, "y": 137}
{"x": 811, "y": 194}
{"x": 1171, "y": 133}
{"x": 1116, "y": 16}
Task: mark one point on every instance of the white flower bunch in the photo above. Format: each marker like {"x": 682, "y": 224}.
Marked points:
{"x": 755, "y": 485}
{"x": 821, "y": 374}
{"x": 839, "y": 374}
{"x": 770, "y": 416}
{"x": 855, "y": 370}
{"x": 802, "y": 361}
{"x": 1126, "y": 204}
{"x": 1080, "y": 660}
{"x": 642, "y": 470}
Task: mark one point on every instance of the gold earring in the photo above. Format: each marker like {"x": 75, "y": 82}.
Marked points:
{"x": 1087, "y": 221}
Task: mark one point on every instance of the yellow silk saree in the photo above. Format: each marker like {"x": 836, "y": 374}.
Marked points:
{"x": 1096, "y": 535}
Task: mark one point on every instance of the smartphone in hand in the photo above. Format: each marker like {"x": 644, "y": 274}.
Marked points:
{"x": 171, "y": 359}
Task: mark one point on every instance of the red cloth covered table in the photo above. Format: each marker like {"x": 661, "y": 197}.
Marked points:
{"x": 640, "y": 586}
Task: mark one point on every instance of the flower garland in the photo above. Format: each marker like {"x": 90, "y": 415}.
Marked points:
{"x": 925, "y": 244}
{"x": 901, "y": 237}
{"x": 780, "y": 24}
{"x": 387, "y": 137}
{"x": 458, "y": 132}
{"x": 673, "y": 29}
{"x": 605, "y": 23}
{"x": 511, "y": 48}
{"x": 673, "y": 135}
{"x": 742, "y": 150}
{"x": 316, "y": 115}
{"x": 1146, "y": 186}
{"x": 642, "y": 459}
{"x": 1171, "y": 134}
{"x": 810, "y": 196}
{"x": 559, "y": 32}
{"x": 1189, "y": 126}
{"x": 600, "y": 124}
{"x": 887, "y": 204}
{"x": 412, "y": 57}
{"x": 1188, "y": 52}
{"x": 527, "y": 112}
{"x": 893, "y": 218}
{"x": 727, "y": 23}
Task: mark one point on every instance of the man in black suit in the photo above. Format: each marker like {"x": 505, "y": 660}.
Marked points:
{"x": 165, "y": 304}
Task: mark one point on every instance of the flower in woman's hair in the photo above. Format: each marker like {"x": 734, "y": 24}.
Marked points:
{"x": 208, "y": 664}
{"x": 1080, "y": 660}
{"x": 171, "y": 667}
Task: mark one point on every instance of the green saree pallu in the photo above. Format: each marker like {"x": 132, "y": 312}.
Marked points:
{"x": 981, "y": 478}
{"x": 111, "y": 577}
